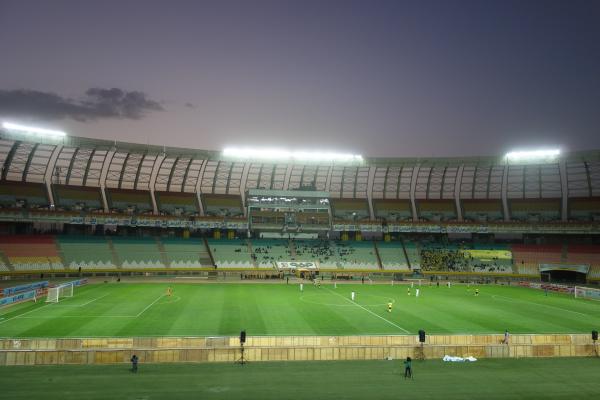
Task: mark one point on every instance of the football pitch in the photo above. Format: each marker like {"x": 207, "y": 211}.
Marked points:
{"x": 223, "y": 309}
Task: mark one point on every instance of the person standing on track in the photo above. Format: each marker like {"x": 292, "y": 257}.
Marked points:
{"x": 408, "y": 368}
{"x": 134, "y": 363}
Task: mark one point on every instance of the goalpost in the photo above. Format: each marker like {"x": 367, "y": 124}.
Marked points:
{"x": 586, "y": 293}
{"x": 58, "y": 292}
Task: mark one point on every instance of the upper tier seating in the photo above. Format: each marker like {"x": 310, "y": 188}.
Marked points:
{"x": 393, "y": 210}
{"x": 177, "y": 203}
{"x": 482, "y": 210}
{"x": 436, "y": 210}
{"x": 77, "y": 197}
{"x": 129, "y": 201}
{"x": 535, "y": 209}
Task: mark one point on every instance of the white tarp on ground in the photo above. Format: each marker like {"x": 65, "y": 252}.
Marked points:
{"x": 459, "y": 359}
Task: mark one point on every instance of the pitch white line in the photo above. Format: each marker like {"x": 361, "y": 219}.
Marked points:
{"x": 150, "y": 305}
{"x": 81, "y": 305}
{"x": 537, "y": 304}
{"x": 25, "y": 313}
{"x": 369, "y": 311}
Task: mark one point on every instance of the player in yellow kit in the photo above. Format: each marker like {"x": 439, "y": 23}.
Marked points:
{"x": 389, "y": 306}
{"x": 169, "y": 291}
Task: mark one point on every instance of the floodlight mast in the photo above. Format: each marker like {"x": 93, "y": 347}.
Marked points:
{"x": 32, "y": 130}
{"x": 532, "y": 155}
{"x": 281, "y": 154}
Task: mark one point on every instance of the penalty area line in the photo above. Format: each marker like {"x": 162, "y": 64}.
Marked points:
{"x": 150, "y": 305}
{"x": 369, "y": 311}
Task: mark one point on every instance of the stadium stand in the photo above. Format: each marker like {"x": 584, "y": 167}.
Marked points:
{"x": 413, "y": 254}
{"x": 86, "y": 252}
{"x": 535, "y": 209}
{"x": 77, "y": 197}
{"x": 393, "y": 210}
{"x": 222, "y": 205}
{"x": 186, "y": 253}
{"x": 137, "y": 253}
{"x": 436, "y": 210}
{"x": 129, "y": 201}
{"x": 23, "y": 195}
{"x": 231, "y": 253}
{"x": 350, "y": 209}
{"x": 392, "y": 256}
{"x": 482, "y": 210}
{"x": 335, "y": 254}
{"x": 584, "y": 209}
{"x": 177, "y": 203}
{"x": 527, "y": 257}
{"x": 267, "y": 251}
{"x": 585, "y": 254}
{"x": 31, "y": 252}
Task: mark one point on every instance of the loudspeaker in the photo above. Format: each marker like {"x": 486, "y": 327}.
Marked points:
{"x": 243, "y": 337}
{"x": 421, "y": 336}
{"x": 594, "y": 335}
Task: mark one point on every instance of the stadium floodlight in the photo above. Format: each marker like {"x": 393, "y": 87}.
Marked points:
{"x": 32, "y": 130}
{"x": 281, "y": 154}
{"x": 532, "y": 155}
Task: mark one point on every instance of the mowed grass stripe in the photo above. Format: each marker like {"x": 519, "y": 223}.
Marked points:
{"x": 491, "y": 379}
{"x": 127, "y": 309}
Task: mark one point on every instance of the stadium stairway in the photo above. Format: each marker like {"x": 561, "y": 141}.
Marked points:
{"x": 6, "y": 262}
{"x": 210, "y": 254}
{"x": 163, "y": 253}
{"x": 60, "y": 253}
{"x": 377, "y": 255}
{"x": 115, "y": 257}
{"x": 405, "y": 253}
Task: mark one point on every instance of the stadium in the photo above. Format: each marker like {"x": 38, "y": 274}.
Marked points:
{"x": 189, "y": 256}
{"x": 299, "y": 199}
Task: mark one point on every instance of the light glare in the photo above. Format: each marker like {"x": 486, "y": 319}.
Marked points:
{"x": 533, "y": 154}
{"x": 280, "y": 154}
{"x": 32, "y": 130}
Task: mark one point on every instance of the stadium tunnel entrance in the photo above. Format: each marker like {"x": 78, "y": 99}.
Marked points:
{"x": 562, "y": 276}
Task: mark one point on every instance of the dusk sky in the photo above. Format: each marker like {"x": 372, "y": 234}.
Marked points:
{"x": 378, "y": 78}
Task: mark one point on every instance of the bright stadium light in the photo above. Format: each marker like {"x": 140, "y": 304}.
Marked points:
{"x": 280, "y": 154}
{"x": 532, "y": 155}
{"x": 32, "y": 130}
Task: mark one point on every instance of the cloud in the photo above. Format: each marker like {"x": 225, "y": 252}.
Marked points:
{"x": 190, "y": 105}
{"x": 95, "y": 104}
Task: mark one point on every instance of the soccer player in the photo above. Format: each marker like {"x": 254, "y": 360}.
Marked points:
{"x": 390, "y": 306}
{"x": 417, "y": 292}
{"x": 477, "y": 292}
{"x": 301, "y": 287}
{"x": 352, "y": 295}
{"x": 169, "y": 291}
{"x": 408, "y": 291}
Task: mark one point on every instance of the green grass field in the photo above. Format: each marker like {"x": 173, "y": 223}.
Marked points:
{"x": 143, "y": 309}
{"x": 489, "y": 379}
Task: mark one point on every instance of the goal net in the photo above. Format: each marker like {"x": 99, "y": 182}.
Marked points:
{"x": 58, "y": 292}
{"x": 587, "y": 293}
